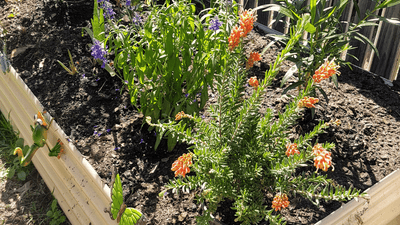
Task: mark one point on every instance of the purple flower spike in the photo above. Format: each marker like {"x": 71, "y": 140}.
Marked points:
{"x": 137, "y": 19}
{"x": 108, "y": 10}
{"x": 83, "y": 75}
{"x": 215, "y": 24}
{"x": 117, "y": 89}
{"x": 108, "y": 130}
{"x": 98, "y": 52}
{"x": 95, "y": 132}
{"x": 186, "y": 95}
{"x": 141, "y": 141}
{"x": 128, "y": 2}
{"x": 99, "y": 134}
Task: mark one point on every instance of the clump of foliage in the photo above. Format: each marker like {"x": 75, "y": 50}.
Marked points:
{"x": 9, "y": 140}
{"x": 243, "y": 155}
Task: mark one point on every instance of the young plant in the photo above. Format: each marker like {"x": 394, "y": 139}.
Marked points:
{"x": 9, "y": 140}
{"x": 72, "y": 70}
{"x": 328, "y": 38}
{"x": 39, "y": 136}
{"x": 55, "y": 215}
{"x": 243, "y": 155}
{"x": 123, "y": 215}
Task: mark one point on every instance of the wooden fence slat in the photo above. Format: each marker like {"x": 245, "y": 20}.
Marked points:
{"x": 386, "y": 37}
{"x": 388, "y": 45}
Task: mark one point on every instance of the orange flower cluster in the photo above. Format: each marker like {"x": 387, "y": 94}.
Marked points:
{"x": 181, "y": 115}
{"x": 326, "y": 70}
{"x": 322, "y": 159}
{"x": 246, "y": 22}
{"x": 254, "y": 57}
{"x": 234, "y": 38}
{"x": 280, "y": 201}
{"x": 291, "y": 149}
{"x": 253, "y": 82}
{"x": 307, "y": 102}
{"x": 246, "y": 25}
{"x": 182, "y": 164}
{"x": 61, "y": 150}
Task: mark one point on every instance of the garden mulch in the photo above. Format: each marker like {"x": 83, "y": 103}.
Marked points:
{"x": 95, "y": 112}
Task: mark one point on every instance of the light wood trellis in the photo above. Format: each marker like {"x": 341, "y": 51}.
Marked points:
{"x": 385, "y": 36}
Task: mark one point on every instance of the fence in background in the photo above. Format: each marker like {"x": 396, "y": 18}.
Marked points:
{"x": 385, "y": 36}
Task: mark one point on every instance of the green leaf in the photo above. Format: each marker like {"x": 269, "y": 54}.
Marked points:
{"x": 293, "y": 86}
{"x": 172, "y": 140}
{"x": 334, "y": 79}
{"x": 363, "y": 38}
{"x": 11, "y": 173}
{"x": 117, "y": 197}
{"x": 323, "y": 93}
{"x": 310, "y": 28}
{"x": 130, "y": 217}
{"x": 21, "y": 175}
{"x": 313, "y": 9}
{"x": 288, "y": 74}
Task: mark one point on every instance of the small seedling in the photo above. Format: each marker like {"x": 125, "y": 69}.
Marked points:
{"x": 54, "y": 214}
{"x": 72, "y": 70}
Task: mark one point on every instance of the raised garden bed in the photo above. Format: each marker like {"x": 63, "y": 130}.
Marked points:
{"x": 366, "y": 143}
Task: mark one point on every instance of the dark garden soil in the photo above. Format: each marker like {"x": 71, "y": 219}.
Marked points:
{"x": 100, "y": 121}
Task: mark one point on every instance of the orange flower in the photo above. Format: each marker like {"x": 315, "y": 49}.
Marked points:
{"x": 246, "y": 21}
{"x": 182, "y": 164}
{"x": 280, "y": 201}
{"x": 322, "y": 159}
{"x": 61, "y": 149}
{"x": 291, "y": 149}
{"x": 234, "y": 38}
{"x": 181, "y": 115}
{"x": 253, "y": 82}
{"x": 326, "y": 70}
{"x": 307, "y": 102}
{"x": 254, "y": 57}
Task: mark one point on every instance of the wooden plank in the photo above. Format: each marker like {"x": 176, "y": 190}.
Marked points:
{"x": 388, "y": 45}
{"x": 369, "y": 54}
{"x": 396, "y": 67}
{"x": 360, "y": 48}
{"x": 78, "y": 188}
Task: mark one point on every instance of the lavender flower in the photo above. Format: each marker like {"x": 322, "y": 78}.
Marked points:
{"x": 98, "y": 52}
{"x": 126, "y": 82}
{"x": 108, "y": 10}
{"x": 215, "y": 24}
{"x": 108, "y": 130}
{"x": 141, "y": 141}
{"x": 128, "y": 2}
{"x": 137, "y": 19}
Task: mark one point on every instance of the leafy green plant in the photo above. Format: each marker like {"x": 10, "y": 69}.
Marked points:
{"x": 55, "y": 215}
{"x": 327, "y": 36}
{"x": 119, "y": 211}
{"x": 168, "y": 62}
{"x": 9, "y": 140}
{"x": 72, "y": 70}
{"x": 243, "y": 155}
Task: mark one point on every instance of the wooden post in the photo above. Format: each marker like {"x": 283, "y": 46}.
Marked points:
{"x": 396, "y": 66}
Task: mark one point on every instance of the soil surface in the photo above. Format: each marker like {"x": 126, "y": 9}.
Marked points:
{"x": 108, "y": 131}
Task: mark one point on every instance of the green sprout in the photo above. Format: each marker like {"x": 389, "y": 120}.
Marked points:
{"x": 72, "y": 70}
